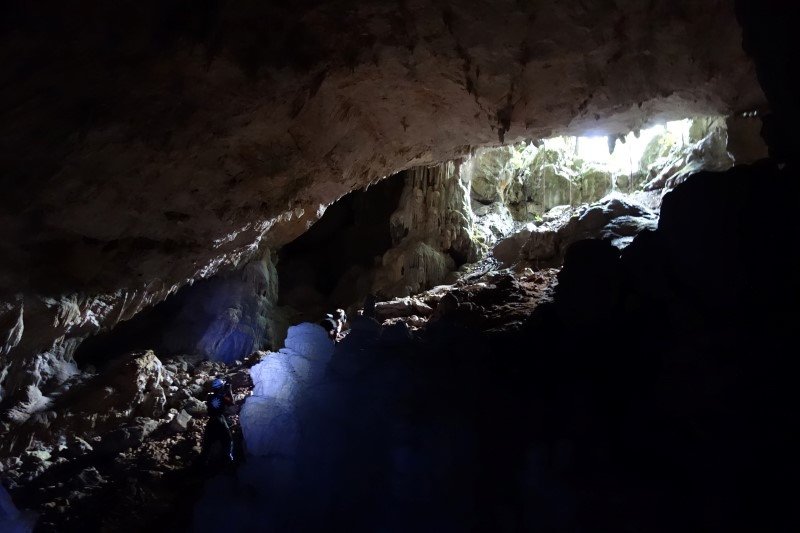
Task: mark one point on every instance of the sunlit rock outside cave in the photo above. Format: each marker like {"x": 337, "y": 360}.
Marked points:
{"x": 428, "y": 266}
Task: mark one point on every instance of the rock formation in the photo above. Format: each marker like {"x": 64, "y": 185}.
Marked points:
{"x": 231, "y": 317}
{"x": 616, "y": 398}
{"x": 431, "y": 232}
{"x": 144, "y": 151}
{"x": 647, "y": 385}
{"x": 614, "y": 219}
{"x": 116, "y": 441}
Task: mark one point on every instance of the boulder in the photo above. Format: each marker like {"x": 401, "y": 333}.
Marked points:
{"x": 402, "y": 307}
{"x": 180, "y": 422}
{"x": 133, "y": 385}
{"x": 613, "y": 219}
{"x": 195, "y": 407}
{"x": 507, "y": 250}
{"x": 240, "y": 379}
{"x": 126, "y": 437}
{"x": 88, "y": 478}
{"x": 77, "y": 447}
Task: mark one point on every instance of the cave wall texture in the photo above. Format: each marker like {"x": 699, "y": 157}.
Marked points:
{"x": 145, "y": 144}
{"x": 431, "y": 232}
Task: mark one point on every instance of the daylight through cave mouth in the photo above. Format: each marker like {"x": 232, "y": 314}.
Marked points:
{"x": 516, "y": 206}
{"x": 432, "y": 225}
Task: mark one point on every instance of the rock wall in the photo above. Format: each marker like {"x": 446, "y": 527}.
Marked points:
{"x": 668, "y": 161}
{"x": 49, "y": 330}
{"x": 520, "y": 183}
{"x": 745, "y": 143}
{"x": 231, "y": 316}
{"x": 332, "y": 265}
{"x": 431, "y": 231}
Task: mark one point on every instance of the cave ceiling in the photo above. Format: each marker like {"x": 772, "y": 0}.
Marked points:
{"x": 146, "y": 144}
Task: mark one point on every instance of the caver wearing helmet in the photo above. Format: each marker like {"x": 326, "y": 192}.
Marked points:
{"x": 217, "y": 429}
{"x": 334, "y": 323}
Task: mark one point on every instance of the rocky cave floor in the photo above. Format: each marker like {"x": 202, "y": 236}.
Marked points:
{"x": 142, "y": 471}
{"x": 489, "y": 300}
{"x": 143, "y": 466}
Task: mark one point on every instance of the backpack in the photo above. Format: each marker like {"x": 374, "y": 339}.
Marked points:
{"x": 215, "y": 403}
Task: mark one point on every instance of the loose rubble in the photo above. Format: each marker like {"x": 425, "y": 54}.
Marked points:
{"x": 126, "y": 439}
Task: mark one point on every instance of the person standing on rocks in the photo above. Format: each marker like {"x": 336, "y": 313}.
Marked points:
{"x": 369, "y": 306}
{"x": 217, "y": 429}
{"x": 334, "y": 323}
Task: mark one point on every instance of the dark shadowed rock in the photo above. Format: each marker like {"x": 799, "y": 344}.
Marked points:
{"x": 127, "y": 437}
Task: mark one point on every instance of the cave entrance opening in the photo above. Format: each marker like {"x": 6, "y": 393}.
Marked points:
{"x": 624, "y": 154}
{"x": 428, "y": 226}
{"x": 522, "y": 182}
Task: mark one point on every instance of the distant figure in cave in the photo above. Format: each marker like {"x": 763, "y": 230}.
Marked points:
{"x": 369, "y": 306}
{"x": 217, "y": 429}
{"x": 341, "y": 320}
{"x": 334, "y": 323}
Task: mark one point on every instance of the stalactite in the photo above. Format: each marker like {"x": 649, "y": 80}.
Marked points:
{"x": 431, "y": 230}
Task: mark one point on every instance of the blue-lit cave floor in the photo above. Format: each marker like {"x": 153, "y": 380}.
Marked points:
{"x": 140, "y": 469}
{"x": 326, "y": 424}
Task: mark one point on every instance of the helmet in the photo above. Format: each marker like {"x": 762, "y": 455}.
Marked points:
{"x": 217, "y": 384}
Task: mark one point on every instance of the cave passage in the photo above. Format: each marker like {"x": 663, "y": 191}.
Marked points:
{"x": 569, "y": 333}
{"x": 328, "y": 266}
{"x": 504, "y": 192}
{"x": 149, "y": 330}
{"x": 435, "y": 223}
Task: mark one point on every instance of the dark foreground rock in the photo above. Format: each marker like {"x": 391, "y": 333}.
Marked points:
{"x": 654, "y": 393}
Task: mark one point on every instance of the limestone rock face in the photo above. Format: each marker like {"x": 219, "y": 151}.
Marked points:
{"x": 664, "y": 165}
{"x": 488, "y": 169}
{"x": 744, "y": 139}
{"x": 118, "y": 404}
{"x": 149, "y": 144}
{"x": 269, "y": 418}
{"x": 231, "y": 317}
{"x": 613, "y": 219}
{"x": 431, "y": 231}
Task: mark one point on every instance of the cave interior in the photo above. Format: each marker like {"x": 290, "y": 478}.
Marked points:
{"x": 565, "y": 237}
